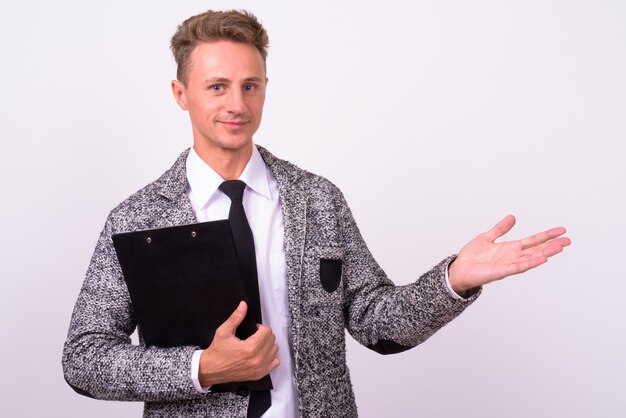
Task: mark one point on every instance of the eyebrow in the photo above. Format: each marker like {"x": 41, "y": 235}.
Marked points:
{"x": 226, "y": 80}
{"x": 255, "y": 79}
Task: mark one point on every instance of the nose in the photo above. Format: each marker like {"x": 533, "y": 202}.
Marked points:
{"x": 234, "y": 102}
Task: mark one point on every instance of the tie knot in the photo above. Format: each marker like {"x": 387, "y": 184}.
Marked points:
{"x": 233, "y": 189}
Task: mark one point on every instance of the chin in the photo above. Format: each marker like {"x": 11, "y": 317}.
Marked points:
{"x": 224, "y": 141}
{"x": 235, "y": 143}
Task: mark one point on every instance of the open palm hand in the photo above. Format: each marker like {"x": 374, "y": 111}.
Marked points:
{"x": 482, "y": 260}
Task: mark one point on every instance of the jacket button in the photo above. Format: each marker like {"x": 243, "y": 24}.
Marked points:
{"x": 243, "y": 391}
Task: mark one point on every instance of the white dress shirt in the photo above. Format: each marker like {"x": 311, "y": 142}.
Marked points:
{"x": 260, "y": 201}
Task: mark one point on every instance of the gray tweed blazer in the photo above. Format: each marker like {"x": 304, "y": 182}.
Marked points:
{"x": 334, "y": 284}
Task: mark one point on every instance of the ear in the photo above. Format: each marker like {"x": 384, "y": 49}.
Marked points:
{"x": 180, "y": 94}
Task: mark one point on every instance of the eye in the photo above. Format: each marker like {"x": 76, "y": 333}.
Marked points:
{"x": 216, "y": 87}
{"x": 249, "y": 87}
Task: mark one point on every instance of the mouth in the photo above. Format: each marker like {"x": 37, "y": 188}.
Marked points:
{"x": 234, "y": 124}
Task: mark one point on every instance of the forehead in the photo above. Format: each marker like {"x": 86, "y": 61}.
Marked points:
{"x": 226, "y": 59}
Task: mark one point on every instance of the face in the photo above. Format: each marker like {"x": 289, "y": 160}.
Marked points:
{"x": 224, "y": 95}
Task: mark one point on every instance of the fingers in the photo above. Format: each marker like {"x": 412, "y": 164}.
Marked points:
{"x": 542, "y": 237}
{"x": 508, "y": 222}
{"x": 555, "y": 246}
{"x": 546, "y": 249}
{"x": 230, "y": 325}
{"x": 269, "y": 350}
{"x": 537, "y": 255}
{"x": 501, "y": 228}
{"x": 263, "y": 335}
{"x": 265, "y": 349}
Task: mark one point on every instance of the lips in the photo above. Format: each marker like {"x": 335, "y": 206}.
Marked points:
{"x": 234, "y": 124}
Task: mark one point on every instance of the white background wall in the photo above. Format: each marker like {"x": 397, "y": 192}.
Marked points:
{"x": 459, "y": 111}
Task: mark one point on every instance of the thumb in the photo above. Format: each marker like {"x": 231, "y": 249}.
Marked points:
{"x": 230, "y": 325}
{"x": 501, "y": 228}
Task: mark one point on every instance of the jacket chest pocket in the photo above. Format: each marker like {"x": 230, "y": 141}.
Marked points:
{"x": 330, "y": 273}
{"x": 322, "y": 284}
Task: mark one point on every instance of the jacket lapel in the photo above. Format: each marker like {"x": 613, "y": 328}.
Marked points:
{"x": 294, "y": 206}
{"x": 173, "y": 186}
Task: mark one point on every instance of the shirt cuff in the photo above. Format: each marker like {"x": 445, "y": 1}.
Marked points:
{"x": 195, "y": 371}
{"x": 452, "y": 292}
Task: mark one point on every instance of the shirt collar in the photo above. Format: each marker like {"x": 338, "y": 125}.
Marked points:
{"x": 255, "y": 174}
{"x": 204, "y": 181}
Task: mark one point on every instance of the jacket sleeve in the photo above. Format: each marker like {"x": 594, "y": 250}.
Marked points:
{"x": 99, "y": 360}
{"x": 384, "y": 317}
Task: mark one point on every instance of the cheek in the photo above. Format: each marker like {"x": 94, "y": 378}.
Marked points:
{"x": 204, "y": 103}
{"x": 257, "y": 105}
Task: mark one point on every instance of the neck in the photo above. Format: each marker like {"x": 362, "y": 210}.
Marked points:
{"x": 228, "y": 163}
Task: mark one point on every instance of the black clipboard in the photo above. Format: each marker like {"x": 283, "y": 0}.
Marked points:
{"x": 184, "y": 282}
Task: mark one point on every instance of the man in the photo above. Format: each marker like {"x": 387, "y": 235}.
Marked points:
{"x": 316, "y": 277}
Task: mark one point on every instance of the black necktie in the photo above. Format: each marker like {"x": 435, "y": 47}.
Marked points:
{"x": 260, "y": 401}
